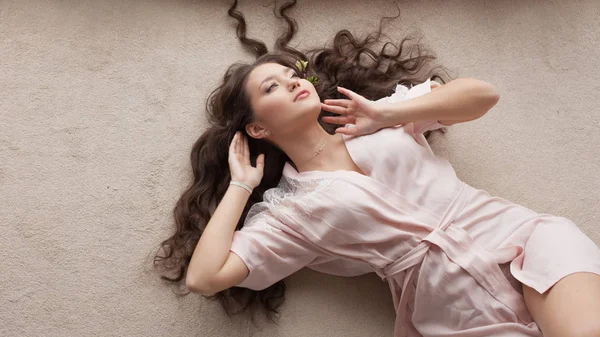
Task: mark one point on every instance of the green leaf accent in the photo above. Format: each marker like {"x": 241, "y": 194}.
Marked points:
{"x": 313, "y": 79}
{"x": 301, "y": 65}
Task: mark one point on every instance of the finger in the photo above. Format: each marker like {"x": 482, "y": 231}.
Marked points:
{"x": 338, "y": 102}
{"x": 348, "y": 92}
{"x": 235, "y": 155}
{"x": 260, "y": 162}
{"x": 245, "y": 151}
{"x": 349, "y": 129}
{"x": 335, "y": 109}
{"x": 238, "y": 146}
{"x": 339, "y": 119}
{"x": 232, "y": 146}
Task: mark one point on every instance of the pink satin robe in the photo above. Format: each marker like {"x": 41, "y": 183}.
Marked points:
{"x": 437, "y": 241}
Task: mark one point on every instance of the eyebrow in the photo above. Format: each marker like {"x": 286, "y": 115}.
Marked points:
{"x": 285, "y": 70}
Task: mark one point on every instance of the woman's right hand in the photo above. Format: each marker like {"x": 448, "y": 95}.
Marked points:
{"x": 239, "y": 162}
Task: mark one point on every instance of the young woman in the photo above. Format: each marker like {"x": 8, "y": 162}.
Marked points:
{"x": 337, "y": 175}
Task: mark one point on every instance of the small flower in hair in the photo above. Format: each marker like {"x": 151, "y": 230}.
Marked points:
{"x": 303, "y": 65}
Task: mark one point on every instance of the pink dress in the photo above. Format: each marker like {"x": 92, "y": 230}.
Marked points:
{"x": 453, "y": 255}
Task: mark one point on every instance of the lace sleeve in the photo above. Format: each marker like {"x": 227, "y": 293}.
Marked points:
{"x": 270, "y": 249}
{"x": 403, "y": 93}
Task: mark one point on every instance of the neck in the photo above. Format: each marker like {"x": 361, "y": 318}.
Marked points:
{"x": 301, "y": 148}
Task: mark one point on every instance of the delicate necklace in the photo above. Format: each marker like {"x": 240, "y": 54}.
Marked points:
{"x": 316, "y": 154}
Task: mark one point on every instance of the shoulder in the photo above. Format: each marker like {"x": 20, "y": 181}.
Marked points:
{"x": 291, "y": 204}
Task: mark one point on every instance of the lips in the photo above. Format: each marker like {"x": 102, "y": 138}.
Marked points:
{"x": 301, "y": 93}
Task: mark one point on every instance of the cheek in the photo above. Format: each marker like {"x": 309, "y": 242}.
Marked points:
{"x": 273, "y": 110}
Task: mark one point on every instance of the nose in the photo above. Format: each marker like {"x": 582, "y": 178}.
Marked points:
{"x": 295, "y": 82}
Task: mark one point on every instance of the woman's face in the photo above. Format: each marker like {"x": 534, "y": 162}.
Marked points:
{"x": 272, "y": 89}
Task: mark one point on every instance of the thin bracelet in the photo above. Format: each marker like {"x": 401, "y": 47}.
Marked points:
{"x": 242, "y": 185}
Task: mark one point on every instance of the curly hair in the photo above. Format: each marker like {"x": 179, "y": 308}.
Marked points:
{"x": 350, "y": 62}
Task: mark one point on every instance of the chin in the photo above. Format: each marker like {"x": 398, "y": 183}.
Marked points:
{"x": 314, "y": 108}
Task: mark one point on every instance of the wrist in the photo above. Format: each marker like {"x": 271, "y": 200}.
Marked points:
{"x": 238, "y": 191}
{"x": 394, "y": 114}
{"x": 241, "y": 185}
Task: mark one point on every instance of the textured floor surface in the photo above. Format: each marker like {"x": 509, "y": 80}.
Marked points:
{"x": 100, "y": 102}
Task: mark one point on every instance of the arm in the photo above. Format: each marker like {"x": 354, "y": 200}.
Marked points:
{"x": 260, "y": 254}
{"x": 213, "y": 267}
{"x": 460, "y": 100}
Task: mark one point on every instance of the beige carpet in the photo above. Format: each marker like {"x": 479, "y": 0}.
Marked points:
{"x": 100, "y": 102}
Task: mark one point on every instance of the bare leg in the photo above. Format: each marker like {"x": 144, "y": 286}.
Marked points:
{"x": 570, "y": 308}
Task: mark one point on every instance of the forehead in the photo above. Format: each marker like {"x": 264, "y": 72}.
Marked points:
{"x": 258, "y": 74}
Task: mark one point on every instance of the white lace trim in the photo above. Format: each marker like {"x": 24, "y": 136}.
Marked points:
{"x": 288, "y": 190}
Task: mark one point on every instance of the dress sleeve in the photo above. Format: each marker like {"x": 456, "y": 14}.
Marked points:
{"x": 403, "y": 93}
{"x": 270, "y": 253}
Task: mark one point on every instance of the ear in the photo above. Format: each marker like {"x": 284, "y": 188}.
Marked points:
{"x": 255, "y": 130}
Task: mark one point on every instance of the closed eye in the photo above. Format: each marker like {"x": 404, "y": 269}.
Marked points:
{"x": 269, "y": 88}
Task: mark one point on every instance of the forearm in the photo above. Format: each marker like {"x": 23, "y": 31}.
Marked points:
{"x": 212, "y": 249}
{"x": 462, "y": 99}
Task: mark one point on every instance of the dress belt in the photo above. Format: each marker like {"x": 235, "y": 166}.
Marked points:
{"x": 459, "y": 246}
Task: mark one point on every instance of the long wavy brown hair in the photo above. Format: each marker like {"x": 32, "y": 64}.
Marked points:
{"x": 350, "y": 62}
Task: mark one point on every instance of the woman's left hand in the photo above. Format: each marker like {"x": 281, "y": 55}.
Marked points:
{"x": 363, "y": 115}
